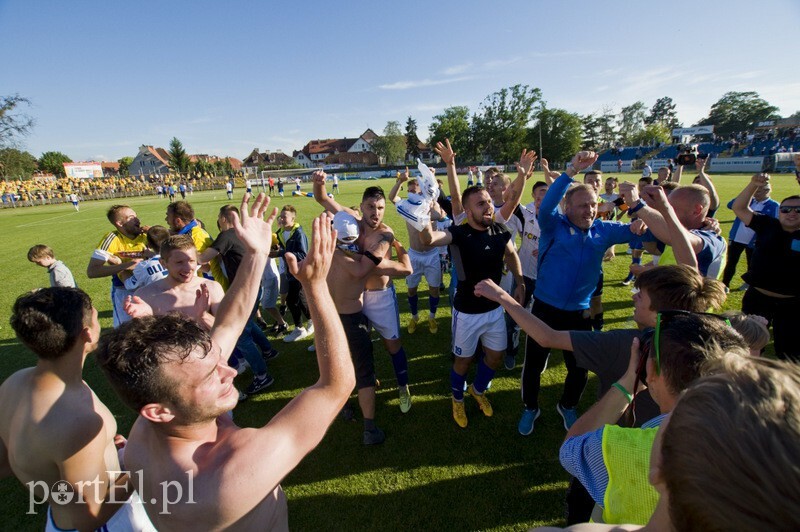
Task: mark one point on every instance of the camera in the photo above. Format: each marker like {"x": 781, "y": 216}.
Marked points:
{"x": 687, "y": 154}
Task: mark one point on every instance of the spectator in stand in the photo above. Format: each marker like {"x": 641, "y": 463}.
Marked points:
{"x": 60, "y": 275}
{"x": 774, "y": 290}
{"x": 742, "y": 238}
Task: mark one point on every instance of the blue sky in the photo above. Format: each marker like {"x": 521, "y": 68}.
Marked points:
{"x": 229, "y": 76}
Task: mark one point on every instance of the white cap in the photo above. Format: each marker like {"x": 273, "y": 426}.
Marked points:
{"x": 346, "y": 225}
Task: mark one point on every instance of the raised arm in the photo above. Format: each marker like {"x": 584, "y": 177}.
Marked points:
{"x": 548, "y": 210}
{"x": 741, "y": 205}
{"x": 445, "y": 151}
{"x": 533, "y": 326}
{"x": 207, "y": 256}
{"x": 517, "y": 187}
{"x": 549, "y": 175}
{"x": 430, "y": 237}
{"x": 677, "y": 174}
{"x": 321, "y": 195}
{"x": 271, "y": 452}
{"x": 680, "y": 238}
{"x": 704, "y": 180}
{"x": 255, "y": 233}
{"x": 393, "y": 197}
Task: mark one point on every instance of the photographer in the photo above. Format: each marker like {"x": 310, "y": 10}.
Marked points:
{"x": 690, "y": 156}
{"x": 612, "y": 462}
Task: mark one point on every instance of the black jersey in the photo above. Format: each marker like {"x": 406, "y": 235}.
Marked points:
{"x": 477, "y": 255}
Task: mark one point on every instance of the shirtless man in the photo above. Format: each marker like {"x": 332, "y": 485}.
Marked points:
{"x": 346, "y": 282}
{"x": 380, "y": 300}
{"x": 424, "y": 260}
{"x": 53, "y": 427}
{"x": 175, "y": 375}
{"x": 179, "y": 290}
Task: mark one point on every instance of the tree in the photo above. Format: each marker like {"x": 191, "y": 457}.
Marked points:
{"x": 631, "y": 121}
{"x": 738, "y": 111}
{"x": 607, "y": 133}
{"x": 178, "y": 160}
{"x": 13, "y": 125}
{"x": 53, "y": 162}
{"x": 15, "y": 163}
{"x": 561, "y": 135}
{"x": 412, "y": 140}
{"x": 453, "y": 124}
{"x": 392, "y": 145}
{"x": 500, "y": 129}
{"x": 663, "y": 111}
{"x": 652, "y": 133}
{"x": 124, "y": 165}
{"x": 591, "y": 132}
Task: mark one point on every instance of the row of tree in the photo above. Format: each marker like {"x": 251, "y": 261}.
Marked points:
{"x": 504, "y": 123}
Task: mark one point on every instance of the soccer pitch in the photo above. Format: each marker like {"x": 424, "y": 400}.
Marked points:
{"x": 429, "y": 474}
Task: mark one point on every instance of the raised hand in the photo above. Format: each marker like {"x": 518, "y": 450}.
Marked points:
{"x": 202, "y": 301}
{"x": 655, "y": 197}
{"x": 251, "y": 228}
{"x": 445, "y": 151}
{"x": 701, "y": 165}
{"x": 629, "y": 192}
{"x": 489, "y": 289}
{"x": 135, "y": 307}
{"x": 712, "y": 224}
{"x": 584, "y": 160}
{"x": 526, "y": 162}
{"x": 403, "y": 176}
{"x": 319, "y": 177}
{"x": 314, "y": 268}
{"x": 760, "y": 179}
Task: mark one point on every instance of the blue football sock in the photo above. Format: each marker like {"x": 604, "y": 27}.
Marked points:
{"x": 400, "y": 364}
{"x": 413, "y": 304}
{"x": 457, "y": 385}
{"x": 485, "y": 374}
{"x": 636, "y": 260}
{"x": 433, "y": 302}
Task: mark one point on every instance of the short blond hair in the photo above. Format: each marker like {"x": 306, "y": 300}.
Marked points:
{"x": 40, "y": 251}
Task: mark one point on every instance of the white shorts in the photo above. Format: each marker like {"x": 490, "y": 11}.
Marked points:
{"x": 380, "y": 308}
{"x": 425, "y": 263}
{"x": 270, "y": 283}
{"x": 118, "y": 296}
{"x": 488, "y": 327}
{"x": 131, "y": 517}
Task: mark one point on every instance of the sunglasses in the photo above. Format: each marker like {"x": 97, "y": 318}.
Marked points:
{"x": 650, "y": 342}
{"x": 787, "y": 210}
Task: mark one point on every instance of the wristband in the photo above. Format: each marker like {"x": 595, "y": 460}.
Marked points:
{"x": 372, "y": 257}
{"x": 636, "y": 208}
{"x": 623, "y": 391}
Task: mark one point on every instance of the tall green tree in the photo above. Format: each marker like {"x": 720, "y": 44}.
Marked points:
{"x": 412, "y": 140}
{"x": 738, "y": 111}
{"x": 663, "y": 111}
{"x": 656, "y": 132}
{"x": 607, "y": 131}
{"x": 53, "y": 162}
{"x": 453, "y": 124}
{"x": 178, "y": 160}
{"x": 561, "y": 135}
{"x": 591, "y": 132}
{"x": 392, "y": 145}
{"x": 631, "y": 121}
{"x": 124, "y": 166}
{"x": 500, "y": 129}
{"x": 15, "y": 163}
{"x": 13, "y": 124}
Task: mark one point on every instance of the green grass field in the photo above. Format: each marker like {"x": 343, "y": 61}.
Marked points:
{"x": 429, "y": 474}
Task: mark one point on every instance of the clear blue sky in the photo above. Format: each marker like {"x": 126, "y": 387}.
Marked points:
{"x": 229, "y": 76}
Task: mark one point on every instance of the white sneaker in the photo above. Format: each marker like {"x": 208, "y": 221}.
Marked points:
{"x": 310, "y": 328}
{"x": 296, "y": 334}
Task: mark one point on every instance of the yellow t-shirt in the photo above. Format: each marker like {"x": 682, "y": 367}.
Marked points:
{"x": 115, "y": 243}
{"x": 202, "y": 241}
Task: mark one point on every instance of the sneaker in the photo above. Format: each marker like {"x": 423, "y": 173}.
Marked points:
{"x": 628, "y": 280}
{"x": 433, "y": 326}
{"x": 459, "y": 414}
{"x": 310, "y": 329}
{"x": 273, "y": 353}
{"x": 405, "y": 399}
{"x": 259, "y": 384}
{"x": 744, "y": 287}
{"x": 569, "y": 415}
{"x": 374, "y": 436}
{"x": 296, "y": 334}
{"x": 412, "y": 326}
{"x": 483, "y": 402}
{"x": 510, "y": 362}
{"x": 525, "y": 426}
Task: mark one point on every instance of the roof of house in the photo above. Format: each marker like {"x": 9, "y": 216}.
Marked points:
{"x": 367, "y": 158}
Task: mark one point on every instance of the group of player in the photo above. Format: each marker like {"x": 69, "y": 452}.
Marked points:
{"x": 173, "y": 363}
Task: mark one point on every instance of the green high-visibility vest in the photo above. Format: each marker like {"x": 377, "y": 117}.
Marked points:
{"x": 629, "y": 497}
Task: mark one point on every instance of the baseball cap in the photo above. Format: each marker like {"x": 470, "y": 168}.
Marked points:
{"x": 346, "y": 225}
